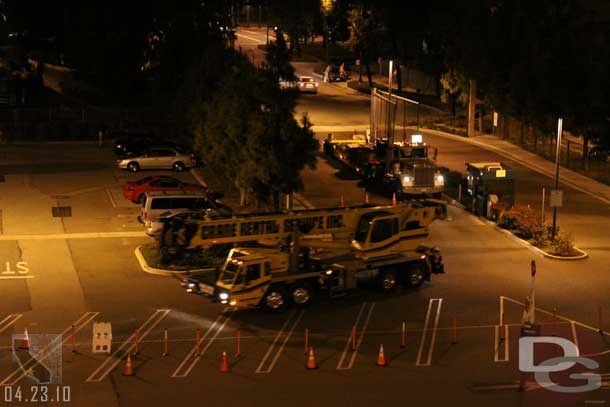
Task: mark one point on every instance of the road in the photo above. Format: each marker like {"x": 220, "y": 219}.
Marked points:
{"x": 70, "y": 279}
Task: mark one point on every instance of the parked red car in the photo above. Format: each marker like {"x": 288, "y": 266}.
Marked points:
{"x": 134, "y": 191}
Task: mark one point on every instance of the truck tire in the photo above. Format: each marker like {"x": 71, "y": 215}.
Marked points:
{"x": 275, "y": 298}
{"x": 416, "y": 274}
{"x": 301, "y": 294}
{"x": 387, "y": 280}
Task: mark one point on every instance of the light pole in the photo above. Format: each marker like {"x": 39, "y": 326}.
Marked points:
{"x": 390, "y": 139}
{"x": 557, "y": 156}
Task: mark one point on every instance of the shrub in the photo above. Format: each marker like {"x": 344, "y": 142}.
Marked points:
{"x": 563, "y": 245}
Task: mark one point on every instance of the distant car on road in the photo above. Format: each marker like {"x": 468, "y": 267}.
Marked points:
{"x": 307, "y": 84}
{"x": 135, "y": 191}
{"x": 158, "y": 158}
{"x": 130, "y": 142}
{"x": 600, "y": 153}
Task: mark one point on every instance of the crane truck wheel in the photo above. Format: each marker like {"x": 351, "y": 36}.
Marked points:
{"x": 416, "y": 275}
{"x": 275, "y": 298}
{"x": 301, "y": 294}
{"x": 387, "y": 280}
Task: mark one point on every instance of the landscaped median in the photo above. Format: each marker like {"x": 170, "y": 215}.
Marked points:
{"x": 151, "y": 260}
{"x": 526, "y": 224}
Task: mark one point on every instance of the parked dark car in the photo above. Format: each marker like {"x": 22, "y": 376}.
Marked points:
{"x": 131, "y": 142}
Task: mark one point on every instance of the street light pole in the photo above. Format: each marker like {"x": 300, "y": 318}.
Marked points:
{"x": 557, "y": 156}
{"x": 390, "y": 139}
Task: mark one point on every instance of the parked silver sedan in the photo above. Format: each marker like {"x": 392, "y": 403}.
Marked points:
{"x": 159, "y": 158}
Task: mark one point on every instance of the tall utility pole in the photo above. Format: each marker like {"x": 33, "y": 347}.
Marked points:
{"x": 557, "y": 156}
{"x": 390, "y": 138}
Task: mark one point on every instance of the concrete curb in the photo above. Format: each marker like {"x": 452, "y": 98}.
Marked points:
{"x": 533, "y": 248}
{"x": 452, "y": 201}
{"x": 159, "y": 272}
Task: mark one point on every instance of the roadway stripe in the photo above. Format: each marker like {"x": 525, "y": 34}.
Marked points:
{"x": 430, "y": 349}
{"x": 84, "y": 235}
{"x": 8, "y": 321}
{"x": 250, "y": 38}
{"x": 16, "y": 277}
{"x": 287, "y": 336}
{"x": 359, "y": 340}
{"x": 113, "y": 360}
{"x": 19, "y": 373}
{"x": 501, "y": 311}
{"x": 177, "y": 372}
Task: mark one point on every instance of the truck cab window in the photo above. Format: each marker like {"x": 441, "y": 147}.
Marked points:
{"x": 253, "y": 272}
{"x": 384, "y": 229}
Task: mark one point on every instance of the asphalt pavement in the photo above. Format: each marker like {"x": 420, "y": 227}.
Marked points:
{"x": 83, "y": 270}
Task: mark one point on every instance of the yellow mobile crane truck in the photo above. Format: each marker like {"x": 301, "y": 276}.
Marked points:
{"x": 289, "y": 258}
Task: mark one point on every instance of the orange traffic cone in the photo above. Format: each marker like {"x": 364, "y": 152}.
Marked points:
{"x": 26, "y": 340}
{"x": 341, "y": 202}
{"x": 381, "y": 357}
{"x": 311, "y": 360}
{"x": 128, "y": 369}
{"x": 224, "y": 363}
{"x": 394, "y": 203}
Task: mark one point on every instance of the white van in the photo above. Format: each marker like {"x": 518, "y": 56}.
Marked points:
{"x": 158, "y": 203}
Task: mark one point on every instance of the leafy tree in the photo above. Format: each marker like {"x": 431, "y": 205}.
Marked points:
{"x": 246, "y": 130}
{"x": 455, "y": 88}
{"x": 367, "y": 29}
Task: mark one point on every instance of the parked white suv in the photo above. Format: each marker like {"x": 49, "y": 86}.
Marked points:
{"x": 160, "y": 204}
{"x": 158, "y": 158}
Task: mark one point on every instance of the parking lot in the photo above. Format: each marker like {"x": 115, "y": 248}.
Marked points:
{"x": 57, "y": 273}
{"x": 481, "y": 356}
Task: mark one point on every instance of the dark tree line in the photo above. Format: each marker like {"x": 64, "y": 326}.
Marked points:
{"x": 178, "y": 56}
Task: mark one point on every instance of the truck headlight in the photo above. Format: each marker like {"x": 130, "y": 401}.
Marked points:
{"x": 440, "y": 179}
{"x": 223, "y": 296}
{"x": 407, "y": 178}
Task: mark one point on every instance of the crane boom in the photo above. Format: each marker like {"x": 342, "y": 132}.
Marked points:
{"x": 328, "y": 224}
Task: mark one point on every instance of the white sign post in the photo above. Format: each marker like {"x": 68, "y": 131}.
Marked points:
{"x": 556, "y": 200}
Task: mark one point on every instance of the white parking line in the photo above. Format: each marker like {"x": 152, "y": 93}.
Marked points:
{"x": 431, "y": 303}
{"x": 20, "y": 372}
{"x": 194, "y": 360}
{"x": 287, "y": 336}
{"x": 111, "y": 362}
{"x": 81, "y": 235}
{"x": 574, "y": 335}
{"x": 360, "y": 338}
{"x": 498, "y": 344}
{"x": 8, "y": 321}
{"x": 555, "y": 315}
{"x": 112, "y": 201}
